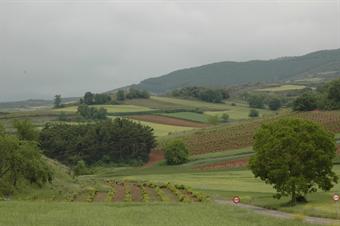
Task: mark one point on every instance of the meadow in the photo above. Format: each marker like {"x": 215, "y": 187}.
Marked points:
{"x": 15, "y": 213}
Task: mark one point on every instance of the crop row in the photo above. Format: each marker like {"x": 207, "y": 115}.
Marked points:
{"x": 125, "y": 191}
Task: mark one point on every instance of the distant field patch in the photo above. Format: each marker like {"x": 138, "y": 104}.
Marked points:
{"x": 191, "y": 103}
{"x": 163, "y": 130}
{"x": 282, "y": 88}
{"x": 168, "y": 121}
{"x": 239, "y": 112}
{"x": 192, "y": 116}
{"x": 111, "y": 108}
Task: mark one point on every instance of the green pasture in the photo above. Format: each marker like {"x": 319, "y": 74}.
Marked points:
{"x": 282, "y": 88}
{"x": 191, "y": 103}
{"x": 21, "y": 213}
{"x": 239, "y": 112}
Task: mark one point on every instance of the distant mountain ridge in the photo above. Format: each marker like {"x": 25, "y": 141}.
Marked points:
{"x": 237, "y": 73}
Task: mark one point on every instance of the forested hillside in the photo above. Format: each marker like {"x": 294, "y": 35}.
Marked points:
{"x": 235, "y": 73}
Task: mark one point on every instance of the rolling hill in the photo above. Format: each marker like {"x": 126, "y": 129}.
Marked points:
{"x": 321, "y": 63}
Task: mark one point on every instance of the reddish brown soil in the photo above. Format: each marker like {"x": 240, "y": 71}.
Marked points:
{"x": 225, "y": 164}
{"x": 120, "y": 193}
{"x": 338, "y": 149}
{"x": 172, "y": 196}
{"x": 100, "y": 197}
{"x": 136, "y": 193}
{"x": 152, "y": 194}
{"x": 168, "y": 121}
{"x": 154, "y": 157}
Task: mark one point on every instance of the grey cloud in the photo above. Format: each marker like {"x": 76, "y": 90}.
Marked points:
{"x": 70, "y": 47}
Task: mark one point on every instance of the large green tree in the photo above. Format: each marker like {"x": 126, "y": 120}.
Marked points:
{"x": 295, "y": 156}
{"x": 306, "y": 102}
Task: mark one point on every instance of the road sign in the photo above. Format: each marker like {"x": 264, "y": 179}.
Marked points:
{"x": 236, "y": 200}
{"x": 336, "y": 197}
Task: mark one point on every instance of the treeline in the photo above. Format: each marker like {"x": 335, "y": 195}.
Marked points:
{"x": 202, "y": 93}
{"x": 262, "y": 101}
{"x": 21, "y": 160}
{"x": 326, "y": 97}
{"x": 97, "y": 98}
{"x": 118, "y": 141}
{"x": 132, "y": 93}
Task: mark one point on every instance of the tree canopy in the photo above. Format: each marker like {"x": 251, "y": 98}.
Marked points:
{"x": 295, "y": 156}
{"x": 118, "y": 141}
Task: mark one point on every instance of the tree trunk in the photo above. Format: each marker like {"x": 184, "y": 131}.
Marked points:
{"x": 293, "y": 200}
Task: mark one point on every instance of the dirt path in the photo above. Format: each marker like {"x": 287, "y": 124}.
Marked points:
{"x": 154, "y": 158}
{"x": 280, "y": 214}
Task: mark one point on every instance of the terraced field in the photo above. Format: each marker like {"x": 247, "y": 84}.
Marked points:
{"x": 191, "y": 116}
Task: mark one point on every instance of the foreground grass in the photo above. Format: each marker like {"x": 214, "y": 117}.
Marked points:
{"x": 15, "y": 213}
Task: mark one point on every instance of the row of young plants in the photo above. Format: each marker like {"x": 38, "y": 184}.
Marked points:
{"x": 182, "y": 193}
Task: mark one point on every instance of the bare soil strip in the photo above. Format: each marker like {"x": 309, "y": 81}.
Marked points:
{"x": 225, "y": 164}
{"x": 280, "y": 214}
{"x": 154, "y": 157}
{"x": 136, "y": 193}
{"x": 120, "y": 193}
{"x": 168, "y": 121}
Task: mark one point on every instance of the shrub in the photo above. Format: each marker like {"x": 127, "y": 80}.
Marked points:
{"x": 253, "y": 113}
{"x": 225, "y": 117}
{"x": 81, "y": 168}
{"x": 176, "y": 153}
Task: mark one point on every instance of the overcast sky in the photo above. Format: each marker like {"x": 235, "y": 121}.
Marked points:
{"x": 69, "y": 47}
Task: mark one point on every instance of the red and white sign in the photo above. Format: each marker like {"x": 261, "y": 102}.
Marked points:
{"x": 336, "y": 197}
{"x": 236, "y": 200}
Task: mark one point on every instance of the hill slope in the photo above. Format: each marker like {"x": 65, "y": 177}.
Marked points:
{"x": 235, "y": 73}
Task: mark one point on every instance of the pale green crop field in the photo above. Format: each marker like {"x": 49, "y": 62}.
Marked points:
{"x": 111, "y": 108}
{"x": 282, "y": 88}
{"x": 163, "y": 130}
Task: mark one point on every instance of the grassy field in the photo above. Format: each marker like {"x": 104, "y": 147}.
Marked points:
{"x": 22, "y": 213}
{"x": 282, "y": 88}
{"x": 191, "y": 103}
{"x": 163, "y": 130}
{"x": 240, "y": 112}
{"x": 123, "y": 108}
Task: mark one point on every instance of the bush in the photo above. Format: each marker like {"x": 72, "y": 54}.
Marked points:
{"x": 253, "y": 113}
{"x": 274, "y": 104}
{"x": 176, "y": 153}
{"x": 225, "y": 117}
{"x": 81, "y": 168}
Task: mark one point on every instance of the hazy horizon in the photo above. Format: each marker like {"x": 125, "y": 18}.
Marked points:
{"x": 68, "y": 48}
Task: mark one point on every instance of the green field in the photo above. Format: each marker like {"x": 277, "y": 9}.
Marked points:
{"x": 282, "y": 88}
{"x": 240, "y": 112}
{"x": 191, "y": 103}
{"x": 191, "y": 116}
{"x": 111, "y": 108}
{"x": 23, "y": 213}
{"x": 163, "y": 130}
